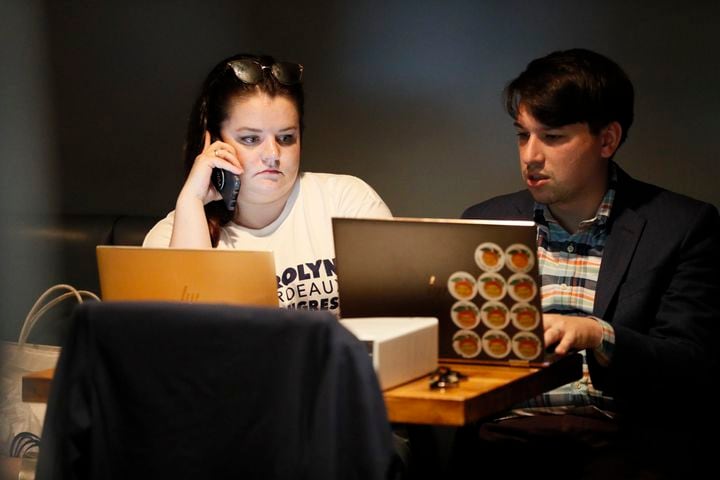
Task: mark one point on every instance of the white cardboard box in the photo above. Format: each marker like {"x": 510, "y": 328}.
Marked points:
{"x": 402, "y": 348}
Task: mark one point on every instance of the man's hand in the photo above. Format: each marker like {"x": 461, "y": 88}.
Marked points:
{"x": 571, "y": 333}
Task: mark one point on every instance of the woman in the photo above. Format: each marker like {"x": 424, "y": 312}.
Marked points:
{"x": 248, "y": 120}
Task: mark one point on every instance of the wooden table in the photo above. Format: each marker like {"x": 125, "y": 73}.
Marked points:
{"x": 487, "y": 391}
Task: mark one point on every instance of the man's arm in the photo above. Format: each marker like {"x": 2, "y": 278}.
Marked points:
{"x": 667, "y": 312}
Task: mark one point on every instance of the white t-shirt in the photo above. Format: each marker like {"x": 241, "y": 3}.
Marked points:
{"x": 301, "y": 237}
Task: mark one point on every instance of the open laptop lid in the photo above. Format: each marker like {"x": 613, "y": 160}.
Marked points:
{"x": 187, "y": 275}
{"x": 479, "y": 278}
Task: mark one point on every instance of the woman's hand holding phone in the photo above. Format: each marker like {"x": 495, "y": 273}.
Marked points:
{"x": 190, "y": 228}
{"x": 202, "y": 182}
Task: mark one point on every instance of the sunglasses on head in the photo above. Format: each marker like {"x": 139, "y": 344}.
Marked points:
{"x": 251, "y": 71}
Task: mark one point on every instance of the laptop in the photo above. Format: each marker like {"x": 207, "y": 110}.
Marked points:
{"x": 187, "y": 275}
{"x": 479, "y": 278}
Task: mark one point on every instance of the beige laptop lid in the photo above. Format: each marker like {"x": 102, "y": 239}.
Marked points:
{"x": 187, "y": 275}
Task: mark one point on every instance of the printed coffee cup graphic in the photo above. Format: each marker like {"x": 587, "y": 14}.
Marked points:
{"x": 496, "y": 343}
{"x": 519, "y": 258}
{"x": 521, "y": 287}
{"x": 526, "y": 345}
{"x": 489, "y": 257}
{"x": 524, "y": 316}
{"x": 495, "y": 315}
{"x": 491, "y": 286}
{"x": 465, "y": 314}
{"x": 461, "y": 285}
{"x": 467, "y": 344}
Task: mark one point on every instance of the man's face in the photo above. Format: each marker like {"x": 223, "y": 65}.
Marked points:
{"x": 563, "y": 167}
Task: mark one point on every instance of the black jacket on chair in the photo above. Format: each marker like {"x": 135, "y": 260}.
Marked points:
{"x": 165, "y": 390}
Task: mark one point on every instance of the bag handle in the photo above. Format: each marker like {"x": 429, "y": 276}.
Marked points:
{"x": 39, "y": 309}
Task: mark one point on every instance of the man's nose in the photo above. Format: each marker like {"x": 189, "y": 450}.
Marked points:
{"x": 532, "y": 152}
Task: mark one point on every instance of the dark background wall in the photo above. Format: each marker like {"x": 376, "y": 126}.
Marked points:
{"x": 405, "y": 94}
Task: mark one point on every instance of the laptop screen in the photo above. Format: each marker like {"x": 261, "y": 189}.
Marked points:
{"x": 479, "y": 278}
{"x": 187, "y": 275}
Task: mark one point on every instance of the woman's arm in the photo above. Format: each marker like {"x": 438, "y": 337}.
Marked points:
{"x": 190, "y": 229}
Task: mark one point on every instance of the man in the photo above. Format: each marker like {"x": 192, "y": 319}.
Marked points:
{"x": 629, "y": 277}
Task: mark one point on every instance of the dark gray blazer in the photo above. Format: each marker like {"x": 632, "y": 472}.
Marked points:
{"x": 659, "y": 288}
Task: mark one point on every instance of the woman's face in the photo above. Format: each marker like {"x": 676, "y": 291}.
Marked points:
{"x": 265, "y": 133}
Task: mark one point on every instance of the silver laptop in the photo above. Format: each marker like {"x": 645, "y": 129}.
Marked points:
{"x": 479, "y": 278}
{"x": 187, "y": 275}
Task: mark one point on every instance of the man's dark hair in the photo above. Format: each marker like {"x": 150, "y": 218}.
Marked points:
{"x": 573, "y": 86}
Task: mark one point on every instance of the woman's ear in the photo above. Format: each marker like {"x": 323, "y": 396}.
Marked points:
{"x": 610, "y": 139}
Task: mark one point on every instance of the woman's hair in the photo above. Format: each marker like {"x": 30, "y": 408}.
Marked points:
{"x": 573, "y": 86}
{"x": 219, "y": 91}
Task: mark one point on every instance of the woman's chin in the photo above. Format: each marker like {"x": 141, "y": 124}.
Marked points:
{"x": 265, "y": 192}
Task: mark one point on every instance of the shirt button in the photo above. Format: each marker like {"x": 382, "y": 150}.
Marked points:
{"x": 564, "y": 286}
{"x": 570, "y": 248}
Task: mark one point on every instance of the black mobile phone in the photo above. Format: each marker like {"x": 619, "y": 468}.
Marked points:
{"x": 225, "y": 182}
{"x": 228, "y": 184}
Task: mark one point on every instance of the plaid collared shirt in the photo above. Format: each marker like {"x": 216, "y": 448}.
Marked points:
{"x": 569, "y": 266}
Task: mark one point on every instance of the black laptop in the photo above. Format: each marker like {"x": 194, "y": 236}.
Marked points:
{"x": 479, "y": 278}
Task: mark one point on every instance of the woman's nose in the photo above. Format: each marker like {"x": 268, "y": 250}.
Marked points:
{"x": 271, "y": 152}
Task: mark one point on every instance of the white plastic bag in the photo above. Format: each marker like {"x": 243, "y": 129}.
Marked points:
{"x": 20, "y": 358}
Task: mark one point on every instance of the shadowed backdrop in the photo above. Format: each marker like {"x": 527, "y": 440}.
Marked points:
{"x": 404, "y": 94}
